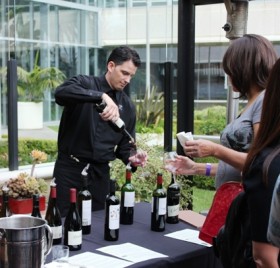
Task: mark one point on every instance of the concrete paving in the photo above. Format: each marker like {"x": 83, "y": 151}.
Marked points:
{"x": 44, "y": 133}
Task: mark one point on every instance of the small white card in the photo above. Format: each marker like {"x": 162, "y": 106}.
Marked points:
{"x": 189, "y": 236}
{"x": 184, "y": 136}
{"x": 131, "y": 252}
{"x": 90, "y": 260}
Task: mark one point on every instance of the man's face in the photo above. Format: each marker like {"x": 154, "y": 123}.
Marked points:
{"x": 118, "y": 76}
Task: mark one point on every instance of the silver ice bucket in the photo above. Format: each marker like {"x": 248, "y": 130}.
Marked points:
{"x": 24, "y": 242}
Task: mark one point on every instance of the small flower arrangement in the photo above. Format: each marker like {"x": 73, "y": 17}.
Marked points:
{"x": 25, "y": 185}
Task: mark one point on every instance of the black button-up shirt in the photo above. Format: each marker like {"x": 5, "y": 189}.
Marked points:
{"x": 82, "y": 132}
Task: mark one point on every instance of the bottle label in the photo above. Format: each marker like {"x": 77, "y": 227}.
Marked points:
{"x": 86, "y": 208}
{"x": 57, "y": 231}
{"x": 119, "y": 123}
{"x": 114, "y": 217}
{"x": 173, "y": 210}
{"x": 74, "y": 238}
{"x": 129, "y": 198}
{"x": 161, "y": 205}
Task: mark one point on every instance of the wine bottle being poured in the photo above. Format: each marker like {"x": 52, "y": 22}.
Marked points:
{"x": 119, "y": 123}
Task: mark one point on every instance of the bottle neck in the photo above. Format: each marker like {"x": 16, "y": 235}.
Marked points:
{"x": 128, "y": 176}
{"x": 5, "y": 197}
{"x": 53, "y": 192}
{"x": 159, "y": 181}
{"x": 112, "y": 187}
{"x": 73, "y": 196}
{"x": 85, "y": 183}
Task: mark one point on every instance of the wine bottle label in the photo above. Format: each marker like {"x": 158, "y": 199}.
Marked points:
{"x": 86, "y": 208}
{"x": 161, "y": 205}
{"x": 119, "y": 123}
{"x": 57, "y": 231}
{"x": 74, "y": 238}
{"x": 173, "y": 210}
{"x": 129, "y": 198}
{"x": 114, "y": 217}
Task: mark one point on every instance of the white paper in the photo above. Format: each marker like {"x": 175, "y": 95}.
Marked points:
{"x": 92, "y": 260}
{"x": 131, "y": 252}
{"x": 189, "y": 236}
{"x": 184, "y": 136}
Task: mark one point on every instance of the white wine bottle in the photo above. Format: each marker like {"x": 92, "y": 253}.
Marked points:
{"x": 112, "y": 214}
{"x": 73, "y": 225}
{"x": 173, "y": 201}
{"x": 119, "y": 124}
{"x": 127, "y": 199}
{"x": 158, "y": 206}
{"x": 85, "y": 203}
{"x": 53, "y": 217}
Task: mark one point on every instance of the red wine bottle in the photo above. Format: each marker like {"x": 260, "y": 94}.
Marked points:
{"x": 112, "y": 214}
{"x": 36, "y": 206}
{"x": 85, "y": 203}
{"x": 127, "y": 199}
{"x": 158, "y": 206}
{"x": 173, "y": 201}
{"x": 73, "y": 225}
{"x": 119, "y": 124}
{"x": 5, "y": 208}
{"x": 53, "y": 217}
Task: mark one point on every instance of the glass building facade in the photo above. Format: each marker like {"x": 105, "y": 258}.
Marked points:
{"x": 77, "y": 36}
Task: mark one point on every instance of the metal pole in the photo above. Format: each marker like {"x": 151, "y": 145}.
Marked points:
{"x": 185, "y": 90}
{"x": 12, "y": 114}
{"x": 168, "y": 105}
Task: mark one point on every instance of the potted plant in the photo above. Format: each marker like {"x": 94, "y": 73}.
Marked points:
{"x": 22, "y": 188}
{"x": 31, "y": 87}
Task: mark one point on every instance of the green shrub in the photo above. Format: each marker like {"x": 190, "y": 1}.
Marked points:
{"x": 204, "y": 182}
{"x": 144, "y": 185}
{"x": 25, "y": 146}
{"x": 210, "y": 121}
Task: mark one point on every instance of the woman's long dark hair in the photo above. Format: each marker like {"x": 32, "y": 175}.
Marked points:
{"x": 269, "y": 128}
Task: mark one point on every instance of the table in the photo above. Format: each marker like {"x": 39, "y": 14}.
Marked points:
{"x": 181, "y": 253}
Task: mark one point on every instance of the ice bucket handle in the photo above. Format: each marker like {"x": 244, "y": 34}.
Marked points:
{"x": 49, "y": 239}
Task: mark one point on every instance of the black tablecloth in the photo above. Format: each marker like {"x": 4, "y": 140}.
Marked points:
{"x": 181, "y": 253}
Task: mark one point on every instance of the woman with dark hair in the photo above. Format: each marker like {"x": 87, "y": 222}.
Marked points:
{"x": 261, "y": 171}
{"x": 247, "y": 61}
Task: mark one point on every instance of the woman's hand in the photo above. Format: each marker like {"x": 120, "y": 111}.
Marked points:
{"x": 199, "y": 148}
{"x": 182, "y": 165}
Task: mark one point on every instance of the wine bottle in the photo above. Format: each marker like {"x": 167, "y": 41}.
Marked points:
{"x": 158, "y": 206}
{"x": 119, "y": 123}
{"x": 53, "y": 217}
{"x": 127, "y": 199}
{"x": 36, "y": 208}
{"x": 112, "y": 214}
{"x": 85, "y": 203}
{"x": 5, "y": 209}
{"x": 173, "y": 201}
{"x": 73, "y": 225}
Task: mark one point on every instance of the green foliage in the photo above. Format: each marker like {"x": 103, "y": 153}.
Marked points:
{"x": 25, "y": 146}
{"x": 32, "y": 85}
{"x": 150, "y": 109}
{"x": 204, "y": 182}
{"x": 144, "y": 179}
{"x": 210, "y": 121}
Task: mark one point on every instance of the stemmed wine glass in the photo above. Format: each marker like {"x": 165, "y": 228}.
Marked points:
{"x": 137, "y": 160}
{"x": 168, "y": 157}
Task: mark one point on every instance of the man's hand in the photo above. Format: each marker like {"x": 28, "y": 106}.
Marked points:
{"x": 111, "y": 111}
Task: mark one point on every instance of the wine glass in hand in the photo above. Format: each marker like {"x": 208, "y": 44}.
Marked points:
{"x": 168, "y": 157}
{"x": 137, "y": 158}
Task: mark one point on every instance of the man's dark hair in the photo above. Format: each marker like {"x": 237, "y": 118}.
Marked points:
{"x": 124, "y": 53}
